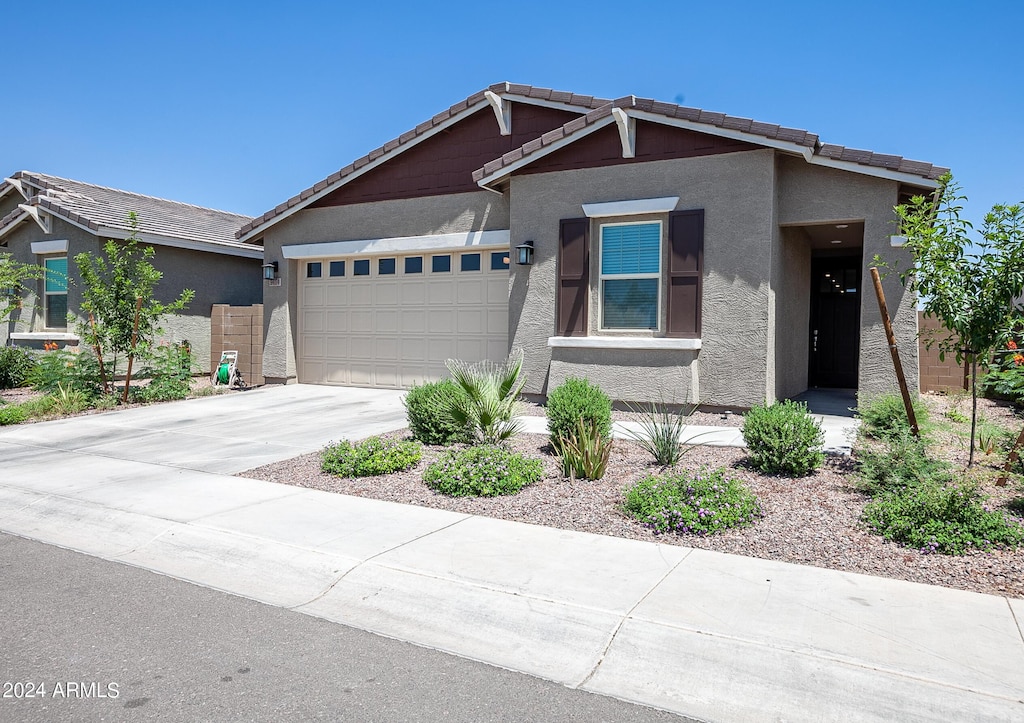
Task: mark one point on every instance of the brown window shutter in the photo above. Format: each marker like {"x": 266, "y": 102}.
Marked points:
{"x": 685, "y": 269}
{"x": 573, "y": 276}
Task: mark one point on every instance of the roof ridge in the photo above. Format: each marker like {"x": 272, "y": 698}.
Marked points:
{"x": 45, "y": 176}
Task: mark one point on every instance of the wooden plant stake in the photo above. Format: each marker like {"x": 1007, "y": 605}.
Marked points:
{"x": 131, "y": 354}
{"x": 99, "y": 355}
{"x": 891, "y": 337}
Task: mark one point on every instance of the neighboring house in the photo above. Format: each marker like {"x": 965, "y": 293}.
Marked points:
{"x": 678, "y": 255}
{"x": 47, "y": 220}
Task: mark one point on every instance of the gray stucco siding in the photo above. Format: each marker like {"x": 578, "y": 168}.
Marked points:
{"x": 455, "y": 213}
{"x": 810, "y": 194}
{"x": 736, "y": 192}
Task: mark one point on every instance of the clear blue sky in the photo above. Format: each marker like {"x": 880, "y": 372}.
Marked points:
{"x": 240, "y": 105}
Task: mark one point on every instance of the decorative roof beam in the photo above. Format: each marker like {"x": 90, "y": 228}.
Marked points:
{"x": 38, "y": 215}
{"x": 627, "y": 132}
{"x": 502, "y": 111}
{"x": 17, "y": 184}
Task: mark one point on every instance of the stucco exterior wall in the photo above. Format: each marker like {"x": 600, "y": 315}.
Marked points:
{"x": 736, "y": 192}
{"x": 461, "y": 212}
{"x": 791, "y": 284}
{"x": 810, "y": 194}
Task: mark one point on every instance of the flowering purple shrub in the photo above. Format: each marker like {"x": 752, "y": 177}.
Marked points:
{"x": 482, "y": 471}
{"x": 696, "y": 504}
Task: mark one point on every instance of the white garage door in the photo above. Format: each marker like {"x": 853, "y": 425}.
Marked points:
{"x": 392, "y": 321}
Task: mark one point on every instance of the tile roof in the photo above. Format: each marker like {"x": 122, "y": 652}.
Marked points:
{"x": 98, "y": 207}
{"x": 511, "y": 89}
{"x": 770, "y": 131}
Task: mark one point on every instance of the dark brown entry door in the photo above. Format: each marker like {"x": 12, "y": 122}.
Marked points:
{"x": 835, "y": 321}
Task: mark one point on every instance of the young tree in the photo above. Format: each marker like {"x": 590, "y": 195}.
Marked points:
{"x": 14, "y": 278}
{"x": 118, "y": 298}
{"x": 972, "y": 286}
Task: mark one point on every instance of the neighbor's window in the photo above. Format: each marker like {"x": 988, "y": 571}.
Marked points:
{"x": 630, "y": 275}
{"x": 55, "y": 288}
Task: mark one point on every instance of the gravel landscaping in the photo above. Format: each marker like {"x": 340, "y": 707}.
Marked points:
{"x": 812, "y": 520}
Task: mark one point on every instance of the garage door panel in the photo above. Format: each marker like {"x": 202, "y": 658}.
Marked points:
{"x": 396, "y": 331}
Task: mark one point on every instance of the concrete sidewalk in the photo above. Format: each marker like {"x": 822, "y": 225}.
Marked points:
{"x": 713, "y": 636}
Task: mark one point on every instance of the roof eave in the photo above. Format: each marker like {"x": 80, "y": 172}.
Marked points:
{"x": 229, "y": 248}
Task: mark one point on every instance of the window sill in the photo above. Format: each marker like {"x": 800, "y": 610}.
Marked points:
{"x": 622, "y": 342}
{"x": 43, "y": 336}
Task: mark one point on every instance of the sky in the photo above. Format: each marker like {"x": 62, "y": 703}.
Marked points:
{"x": 241, "y": 105}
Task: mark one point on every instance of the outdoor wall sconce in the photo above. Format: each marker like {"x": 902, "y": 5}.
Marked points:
{"x": 270, "y": 270}
{"x": 524, "y": 253}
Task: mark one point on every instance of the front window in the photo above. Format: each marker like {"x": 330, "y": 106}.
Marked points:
{"x": 630, "y": 275}
{"x": 55, "y": 288}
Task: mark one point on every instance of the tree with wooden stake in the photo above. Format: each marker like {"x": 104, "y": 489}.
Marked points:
{"x": 890, "y": 337}
{"x": 973, "y": 286}
{"x": 118, "y": 297}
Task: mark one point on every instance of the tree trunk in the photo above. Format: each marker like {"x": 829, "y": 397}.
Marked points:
{"x": 131, "y": 354}
{"x": 99, "y": 356}
{"x": 974, "y": 406}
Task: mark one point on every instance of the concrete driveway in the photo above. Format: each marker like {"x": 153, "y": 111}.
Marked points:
{"x": 223, "y": 434}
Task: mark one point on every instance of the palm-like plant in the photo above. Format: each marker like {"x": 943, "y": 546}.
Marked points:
{"x": 490, "y": 403}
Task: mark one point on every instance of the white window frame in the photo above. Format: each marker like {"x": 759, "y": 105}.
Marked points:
{"x": 48, "y": 294}
{"x": 602, "y": 276}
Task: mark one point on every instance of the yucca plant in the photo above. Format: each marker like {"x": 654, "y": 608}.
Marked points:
{"x": 489, "y": 406}
{"x": 661, "y": 433}
{"x": 69, "y": 400}
{"x": 584, "y": 451}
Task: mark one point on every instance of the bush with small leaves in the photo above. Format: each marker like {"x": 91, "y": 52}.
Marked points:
{"x": 945, "y": 518}
{"x": 12, "y": 414}
{"x": 371, "y": 457}
{"x": 783, "y": 438}
{"x": 428, "y": 409}
{"x": 701, "y": 503}
{"x": 16, "y": 365}
{"x": 885, "y": 415}
{"x": 902, "y": 460}
{"x": 573, "y": 400}
{"x": 484, "y": 470}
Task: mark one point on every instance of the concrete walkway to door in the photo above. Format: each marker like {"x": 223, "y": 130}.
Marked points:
{"x": 709, "y": 635}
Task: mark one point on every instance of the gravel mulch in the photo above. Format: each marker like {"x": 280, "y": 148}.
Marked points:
{"x": 812, "y": 520}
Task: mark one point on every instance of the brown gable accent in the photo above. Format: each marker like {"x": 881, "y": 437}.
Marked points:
{"x": 444, "y": 163}
{"x": 654, "y": 142}
{"x": 685, "y": 272}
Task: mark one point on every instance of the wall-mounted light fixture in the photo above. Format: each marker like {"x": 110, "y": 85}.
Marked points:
{"x": 524, "y": 253}
{"x": 270, "y": 270}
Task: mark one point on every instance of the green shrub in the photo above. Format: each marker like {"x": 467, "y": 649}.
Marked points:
{"x": 885, "y": 415}
{"x": 482, "y": 471}
{"x": 576, "y": 399}
{"x": 900, "y": 461}
{"x": 372, "y": 456}
{"x": 66, "y": 399}
{"x": 950, "y": 519}
{"x": 490, "y": 401}
{"x": 584, "y": 453}
{"x": 162, "y": 389}
{"x": 699, "y": 504}
{"x": 783, "y": 438}
{"x": 428, "y": 409}
{"x": 38, "y": 407}
{"x": 661, "y": 434}
{"x": 15, "y": 366}
{"x": 169, "y": 369}
{"x": 79, "y": 370}
{"x": 12, "y": 414}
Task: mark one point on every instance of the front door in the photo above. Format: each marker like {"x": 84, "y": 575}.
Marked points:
{"x": 835, "y": 321}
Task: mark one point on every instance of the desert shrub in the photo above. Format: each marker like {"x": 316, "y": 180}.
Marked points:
{"x": 885, "y": 415}
{"x": 372, "y": 456}
{"x": 584, "y": 452}
{"x": 576, "y": 399}
{"x": 662, "y": 434}
{"x": 162, "y": 389}
{"x": 428, "y": 409}
{"x": 38, "y": 407}
{"x": 12, "y": 414}
{"x": 484, "y": 470}
{"x": 15, "y": 366}
{"x": 67, "y": 399}
{"x": 169, "y": 369}
{"x": 783, "y": 438}
{"x": 77, "y": 370}
{"x": 106, "y": 401}
{"x": 900, "y": 461}
{"x": 490, "y": 399}
{"x": 933, "y": 517}
{"x": 699, "y": 503}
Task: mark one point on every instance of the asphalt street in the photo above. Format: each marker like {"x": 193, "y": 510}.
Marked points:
{"x": 108, "y": 641}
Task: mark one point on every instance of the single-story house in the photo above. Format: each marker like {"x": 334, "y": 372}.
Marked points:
{"x": 669, "y": 254}
{"x": 47, "y": 221}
